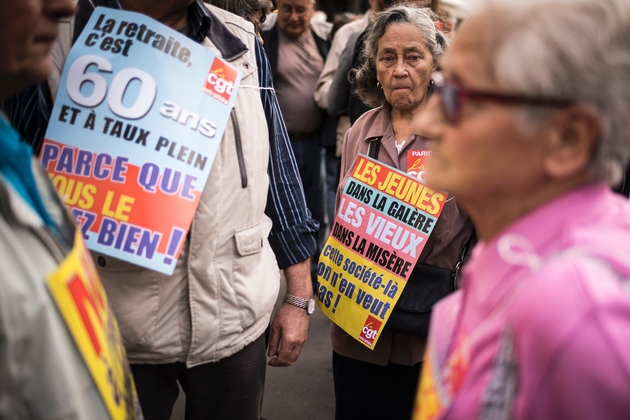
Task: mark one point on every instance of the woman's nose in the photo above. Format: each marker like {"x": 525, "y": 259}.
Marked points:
{"x": 400, "y": 69}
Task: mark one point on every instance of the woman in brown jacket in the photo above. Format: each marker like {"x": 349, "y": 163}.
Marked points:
{"x": 402, "y": 47}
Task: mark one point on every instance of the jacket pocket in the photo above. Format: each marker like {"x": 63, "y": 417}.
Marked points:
{"x": 134, "y": 296}
{"x": 250, "y": 240}
{"x": 255, "y": 274}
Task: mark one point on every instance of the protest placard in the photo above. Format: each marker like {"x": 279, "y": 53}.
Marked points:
{"x": 136, "y": 125}
{"x": 82, "y": 302}
{"x": 384, "y": 219}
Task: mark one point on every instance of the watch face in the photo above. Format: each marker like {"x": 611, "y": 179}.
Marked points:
{"x": 311, "y": 306}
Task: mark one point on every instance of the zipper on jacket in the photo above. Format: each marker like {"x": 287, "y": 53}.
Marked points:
{"x": 239, "y": 148}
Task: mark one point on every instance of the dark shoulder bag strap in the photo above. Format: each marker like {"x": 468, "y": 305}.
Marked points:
{"x": 374, "y": 147}
{"x": 460, "y": 261}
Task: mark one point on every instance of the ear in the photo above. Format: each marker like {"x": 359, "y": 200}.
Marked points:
{"x": 573, "y": 138}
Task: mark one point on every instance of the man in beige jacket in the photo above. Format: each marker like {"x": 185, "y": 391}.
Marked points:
{"x": 204, "y": 325}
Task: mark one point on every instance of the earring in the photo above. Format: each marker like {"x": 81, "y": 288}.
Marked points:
{"x": 430, "y": 88}
{"x": 378, "y": 85}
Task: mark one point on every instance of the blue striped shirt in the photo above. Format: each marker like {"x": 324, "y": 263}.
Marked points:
{"x": 294, "y": 232}
{"x": 286, "y": 204}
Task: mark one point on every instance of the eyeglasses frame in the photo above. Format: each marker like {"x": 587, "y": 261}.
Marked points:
{"x": 288, "y": 12}
{"x": 441, "y": 85}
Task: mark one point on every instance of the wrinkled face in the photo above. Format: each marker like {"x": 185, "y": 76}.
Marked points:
{"x": 294, "y": 16}
{"x": 28, "y": 29}
{"x": 482, "y": 156}
{"x": 403, "y": 66}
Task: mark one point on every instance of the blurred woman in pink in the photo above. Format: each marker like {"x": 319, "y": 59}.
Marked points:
{"x": 529, "y": 127}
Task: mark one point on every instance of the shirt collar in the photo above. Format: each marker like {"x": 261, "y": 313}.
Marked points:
{"x": 382, "y": 127}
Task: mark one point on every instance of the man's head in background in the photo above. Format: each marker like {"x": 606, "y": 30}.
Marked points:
{"x": 294, "y": 16}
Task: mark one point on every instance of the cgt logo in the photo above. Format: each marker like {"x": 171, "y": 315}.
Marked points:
{"x": 370, "y": 330}
{"x": 419, "y": 153}
{"x": 416, "y": 163}
{"x": 220, "y": 81}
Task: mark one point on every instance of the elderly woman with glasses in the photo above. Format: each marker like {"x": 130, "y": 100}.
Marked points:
{"x": 529, "y": 126}
{"x": 402, "y": 47}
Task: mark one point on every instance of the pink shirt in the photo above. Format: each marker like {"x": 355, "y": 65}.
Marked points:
{"x": 541, "y": 327}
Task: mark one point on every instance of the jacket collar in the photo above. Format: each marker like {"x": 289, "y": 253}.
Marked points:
{"x": 382, "y": 127}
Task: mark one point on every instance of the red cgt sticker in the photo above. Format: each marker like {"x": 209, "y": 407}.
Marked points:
{"x": 370, "y": 330}
{"x": 220, "y": 81}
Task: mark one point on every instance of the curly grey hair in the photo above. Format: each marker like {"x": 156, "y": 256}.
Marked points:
{"x": 571, "y": 49}
{"x": 423, "y": 18}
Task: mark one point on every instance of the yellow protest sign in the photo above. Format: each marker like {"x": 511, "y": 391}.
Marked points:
{"x": 81, "y": 299}
{"x": 383, "y": 221}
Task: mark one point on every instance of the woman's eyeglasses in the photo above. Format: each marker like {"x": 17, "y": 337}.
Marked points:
{"x": 452, "y": 97}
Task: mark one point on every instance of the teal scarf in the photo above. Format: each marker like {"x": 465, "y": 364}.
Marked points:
{"x": 15, "y": 166}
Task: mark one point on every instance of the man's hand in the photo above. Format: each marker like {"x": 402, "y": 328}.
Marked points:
{"x": 289, "y": 328}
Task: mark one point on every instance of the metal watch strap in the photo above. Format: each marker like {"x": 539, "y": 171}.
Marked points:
{"x": 296, "y": 301}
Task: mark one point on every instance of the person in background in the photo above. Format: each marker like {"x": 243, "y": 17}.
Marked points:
{"x": 333, "y": 142}
{"x": 402, "y": 47}
{"x": 255, "y": 11}
{"x": 297, "y": 46}
{"x": 340, "y": 20}
{"x": 331, "y": 139}
{"x": 42, "y": 372}
{"x": 529, "y": 126}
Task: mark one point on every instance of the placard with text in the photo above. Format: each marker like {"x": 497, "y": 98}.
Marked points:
{"x": 384, "y": 219}
{"x": 136, "y": 125}
{"x": 82, "y": 302}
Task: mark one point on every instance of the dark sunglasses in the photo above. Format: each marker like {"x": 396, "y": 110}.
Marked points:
{"x": 452, "y": 97}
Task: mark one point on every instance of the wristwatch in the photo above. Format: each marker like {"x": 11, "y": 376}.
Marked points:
{"x": 308, "y": 304}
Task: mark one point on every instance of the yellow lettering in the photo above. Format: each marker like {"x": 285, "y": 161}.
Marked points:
{"x": 424, "y": 197}
{"x": 393, "y": 183}
{"x": 107, "y": 211}
{"x": 60, "y": 183}
{"x": 366, "y": 171}
{"x": 382, "y": 185}
{"x": 73, "y": 192}
{"x": 401, "y": 192}
{"x": 124, "y": 206}
{"x": 87, "y": 200}
{"x": 436, "y": 203}
{"x": 357, "y": 170}
{"x": 413, "y": 193}
{"x": 374, "y": 173}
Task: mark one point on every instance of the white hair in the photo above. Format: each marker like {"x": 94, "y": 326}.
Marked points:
{"x": 569, "y": 49}
{"x": 422, "y": 18}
